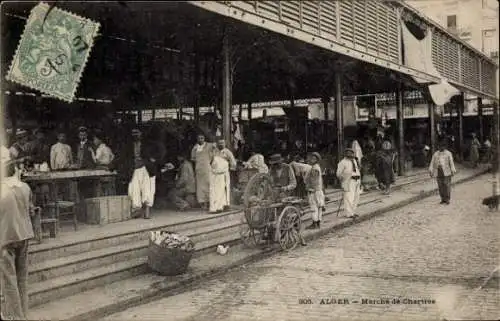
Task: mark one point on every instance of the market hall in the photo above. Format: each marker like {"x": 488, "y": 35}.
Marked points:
{"x": 193, "y": 55}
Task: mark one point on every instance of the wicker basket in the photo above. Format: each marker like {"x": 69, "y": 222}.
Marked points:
{"x": 168, "y": 261}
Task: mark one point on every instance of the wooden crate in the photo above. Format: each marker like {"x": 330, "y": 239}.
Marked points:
{"x": 108, "y": 209}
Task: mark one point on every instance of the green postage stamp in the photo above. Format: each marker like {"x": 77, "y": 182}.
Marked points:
{"x": 53, "y": 51}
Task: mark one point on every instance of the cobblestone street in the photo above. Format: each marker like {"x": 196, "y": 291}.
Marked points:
{"x": 424, "y": 262}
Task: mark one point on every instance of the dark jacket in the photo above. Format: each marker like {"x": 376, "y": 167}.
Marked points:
{"x": 125, "y": 163}
{"x": 84, "y": 156}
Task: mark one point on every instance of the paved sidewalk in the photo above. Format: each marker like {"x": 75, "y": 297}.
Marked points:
{"x": 442, "y": 255}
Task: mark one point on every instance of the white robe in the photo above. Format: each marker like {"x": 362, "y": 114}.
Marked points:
{"x": 142, "y": 188}
{"x": 220, "y": 184}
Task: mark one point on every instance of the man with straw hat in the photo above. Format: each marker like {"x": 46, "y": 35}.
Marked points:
{"x": 282, "y": 175}
{"x": 15, "y": 232}
{"x": 18, "y": 149}
{"x": 314, "y": 187}
{"x": 349, "y": 174}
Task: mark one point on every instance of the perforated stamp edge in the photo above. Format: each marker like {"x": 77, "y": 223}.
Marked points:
{"x": 71, "y": 97}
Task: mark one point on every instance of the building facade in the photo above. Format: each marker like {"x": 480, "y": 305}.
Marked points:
{"x": 474, "y": 21}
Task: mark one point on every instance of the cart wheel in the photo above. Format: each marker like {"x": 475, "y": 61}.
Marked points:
{"x": 259, "y": 188}
{"x": 288, "y": 228}
{"x": 248, "y": 237}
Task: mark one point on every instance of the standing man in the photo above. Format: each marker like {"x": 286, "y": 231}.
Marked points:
{"x": 41, "y": 150}
{"x": 84, "y": 158}
{"x": 103, "y": 156}
{"x": 474, "y": 151}
{"x": 142, "y": 186}
{"x": 314, "y": 186}
{"x": 20, "y": 147}
{"x": 15, "y": 232}
{"x": 223, "y": 162}
{"x": 442, "y": 167}
{"x": 60, "y": 154}
{"x": 300, "y": 169}
{"x": 201, "y": 157}
{"x": 349, "y": 175}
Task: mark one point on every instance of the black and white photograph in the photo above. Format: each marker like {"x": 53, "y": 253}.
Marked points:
{"x": 250, "y": 160}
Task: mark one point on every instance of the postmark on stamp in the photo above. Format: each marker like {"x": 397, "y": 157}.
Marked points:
{"x": 53, "y": 51}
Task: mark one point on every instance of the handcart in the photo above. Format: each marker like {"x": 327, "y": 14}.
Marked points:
{"x": 270, "y": 216}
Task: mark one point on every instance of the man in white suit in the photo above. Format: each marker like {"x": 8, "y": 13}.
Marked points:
{"x": 349, "y": 174}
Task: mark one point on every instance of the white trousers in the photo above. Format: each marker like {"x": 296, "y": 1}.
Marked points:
{"x": 316, "y": 202}
{"x": 351, "y": 197}
{"x": 141, "y": 189}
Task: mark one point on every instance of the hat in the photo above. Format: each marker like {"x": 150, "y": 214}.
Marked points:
{"x": 82, "y": 129}
{"x": 21, "y": 133}
{"x": 136, "y": 131}
{"x": 317, "y": 155}
{"x": 275, "y": 159}
{"x": 349, "y": 150}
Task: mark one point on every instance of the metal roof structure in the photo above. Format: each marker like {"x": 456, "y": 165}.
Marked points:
{"x": 169, "y": 53}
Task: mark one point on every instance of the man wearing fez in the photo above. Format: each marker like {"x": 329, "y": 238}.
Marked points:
{"x": 15, "y": 232}
{"x": 223, "y": 162}
{"x": 349, "y": 174}
{"x": 142, "y": 186}
{"x": 84, "y": 150}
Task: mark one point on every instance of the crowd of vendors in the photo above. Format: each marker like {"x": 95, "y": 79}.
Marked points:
{"x": 200, "y": 171}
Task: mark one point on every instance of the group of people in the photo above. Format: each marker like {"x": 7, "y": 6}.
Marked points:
{"x": 59, "y": 156}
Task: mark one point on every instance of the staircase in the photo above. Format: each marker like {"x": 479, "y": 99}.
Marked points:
{"x": 59, "y": 269}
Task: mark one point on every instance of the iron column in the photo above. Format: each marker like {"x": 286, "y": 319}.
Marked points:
{"x": 226, "y": 91}
{"x": 460, "y": 111}
{"x": 339, "y": 115}
{"x": 432, "y": 126}
{"x": 401, "y": 133}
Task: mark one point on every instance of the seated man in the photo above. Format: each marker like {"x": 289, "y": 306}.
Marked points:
{"x": 282, "y": 176}
{"x": 183, "y": 196}
{"x": 284, "y": 181}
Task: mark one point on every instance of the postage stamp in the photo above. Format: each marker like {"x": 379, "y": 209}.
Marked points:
{"x": 53, "y": 51}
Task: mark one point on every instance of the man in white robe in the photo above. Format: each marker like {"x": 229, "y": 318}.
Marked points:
{"x": 201, "y": 157}
{"x": 220, "y": 179}
{"x": 349, "y": 174}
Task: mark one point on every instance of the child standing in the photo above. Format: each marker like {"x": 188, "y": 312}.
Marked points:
{"x": 314, "y": 186}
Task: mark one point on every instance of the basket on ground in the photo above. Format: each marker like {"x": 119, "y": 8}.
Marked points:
{"x": 169, "y": 253}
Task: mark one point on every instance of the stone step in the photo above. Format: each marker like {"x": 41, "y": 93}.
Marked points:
{"x": 80, "y": 271}
{"x": 49, "y": 269}
{"x": 116, "y": 296}
{"x": 66, "y": 285}
{"x": 106, "y": 237}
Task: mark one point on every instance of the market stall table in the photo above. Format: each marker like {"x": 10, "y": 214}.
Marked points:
{"x": 71, "y": 180}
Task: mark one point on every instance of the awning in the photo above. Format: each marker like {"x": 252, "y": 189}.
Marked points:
{"x": 418, "y": 55}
